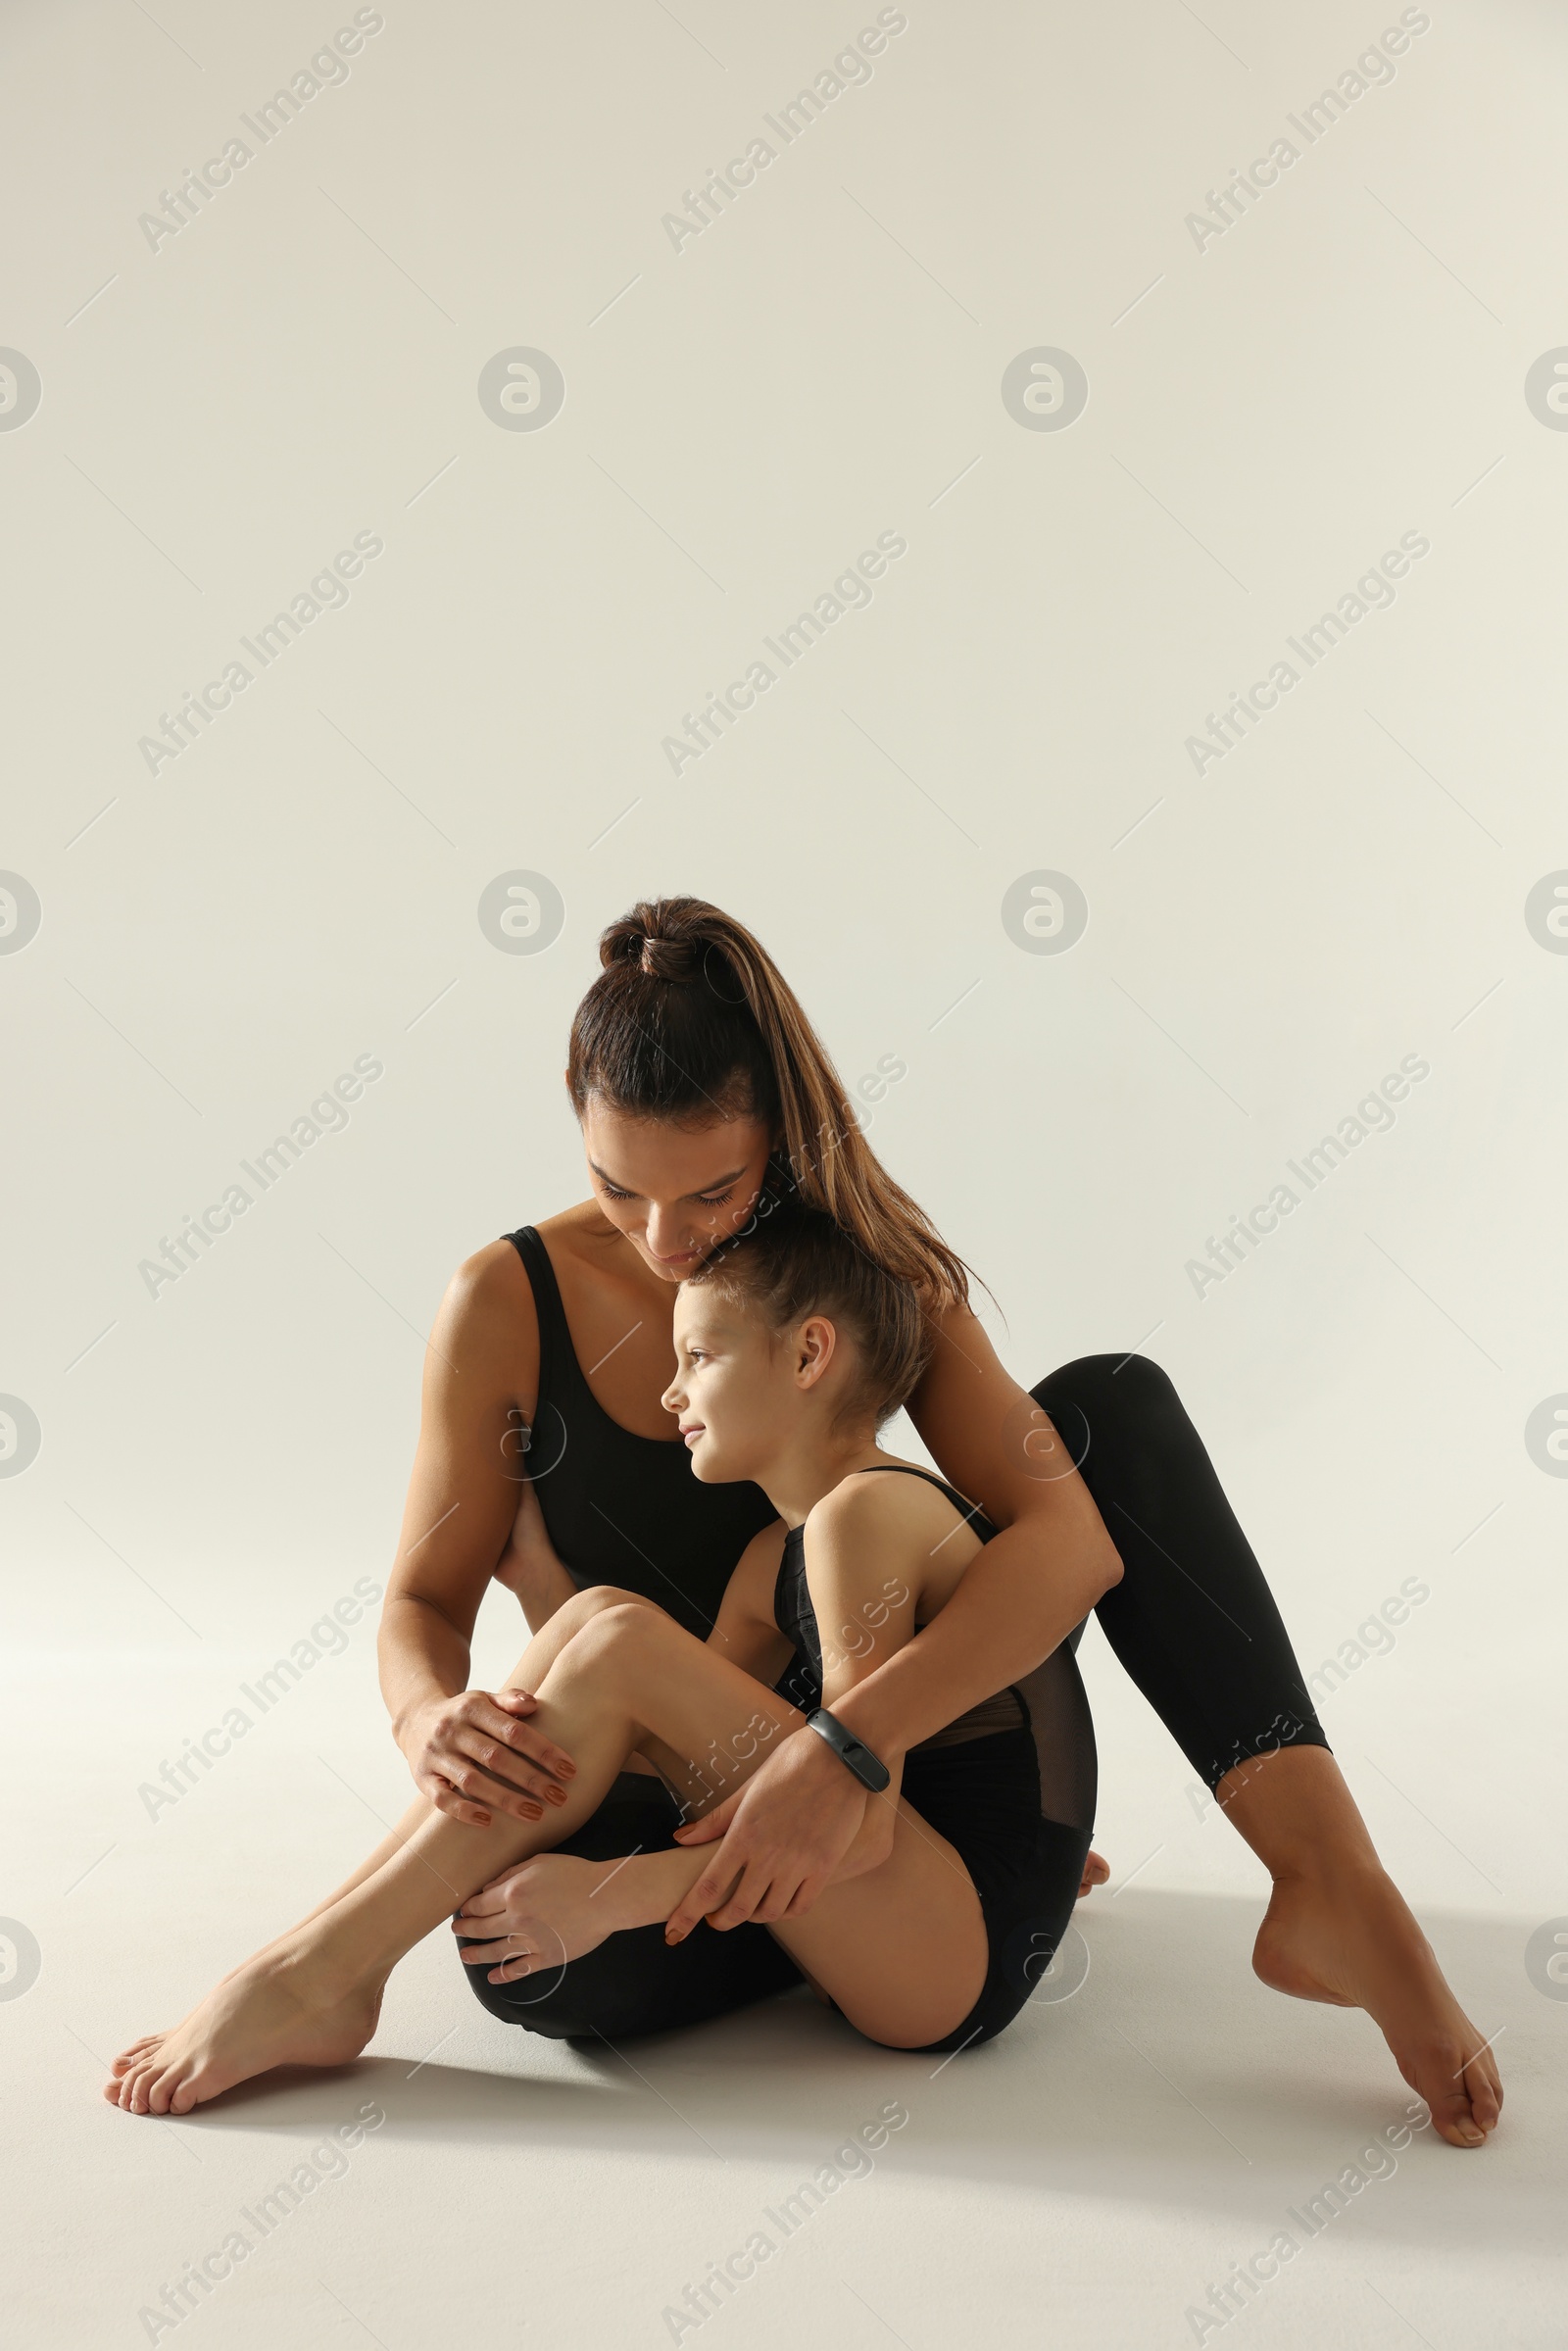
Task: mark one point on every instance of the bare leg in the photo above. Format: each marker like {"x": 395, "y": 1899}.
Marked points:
{"x": 1339, "y": 1929}
{"x": 629, "y": 1677}
{"x": 546, "y": 1646}
{"x": 566, "y": 1617}
{"x": 854, "y": 1946}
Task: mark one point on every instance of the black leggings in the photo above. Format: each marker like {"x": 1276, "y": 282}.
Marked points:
{"x": 1193, "y": 1621}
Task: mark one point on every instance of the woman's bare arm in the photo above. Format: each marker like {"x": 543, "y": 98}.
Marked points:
{"x": 472, "y": 1753}
{"x": 1020, "y": 1596}
{"x": 1040, "y": 1574}
{"x": 530, "y": 1567}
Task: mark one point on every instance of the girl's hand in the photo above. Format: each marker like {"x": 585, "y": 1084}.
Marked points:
{"x": 477, "y": 1755}
{"x": 537, "y": 1916}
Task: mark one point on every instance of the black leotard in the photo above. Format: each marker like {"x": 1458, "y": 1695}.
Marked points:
{"x": 622, "y": 1508}
{"x": 1010, "y": 1783}
{"x": 1192, "y": 1620}
{"x": 1050, "y": 1700}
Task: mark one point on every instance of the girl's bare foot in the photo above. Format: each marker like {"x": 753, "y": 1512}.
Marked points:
{"x": 1097, "y": 1868}
{"x": 1355, "y": 1943}
{"x": 279, "y": 2008}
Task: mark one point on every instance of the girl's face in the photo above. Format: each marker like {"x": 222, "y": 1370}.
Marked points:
{"x": 739, "y": 1388}
{"x": 674, "y": 1192}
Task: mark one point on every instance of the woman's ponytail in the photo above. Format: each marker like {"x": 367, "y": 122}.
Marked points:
{"x": 692, "y": 1020}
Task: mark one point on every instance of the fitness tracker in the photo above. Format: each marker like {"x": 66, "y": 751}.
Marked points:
{"x": 868, "y": 1769}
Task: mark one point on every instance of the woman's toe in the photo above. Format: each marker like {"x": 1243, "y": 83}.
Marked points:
{"x": 1485, "y": 2093}
{"x": 1457, "y": 2125}
{"x": 1461, "y": 2111}
{"x": 160, "y": 2088}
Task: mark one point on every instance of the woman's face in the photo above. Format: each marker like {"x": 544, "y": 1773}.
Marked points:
{"x": 674, "y": 1192}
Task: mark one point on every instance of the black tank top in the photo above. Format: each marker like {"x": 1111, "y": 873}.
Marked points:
{"x": 795, "y": 1619}
{"x": 622, "y": 1508}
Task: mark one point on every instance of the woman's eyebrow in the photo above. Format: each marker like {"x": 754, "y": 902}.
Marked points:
{"x": 716, "y": 1185}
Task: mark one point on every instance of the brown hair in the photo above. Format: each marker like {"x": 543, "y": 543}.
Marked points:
{"x": 692, "y": 1020}
{"x": 797, "y": 1262}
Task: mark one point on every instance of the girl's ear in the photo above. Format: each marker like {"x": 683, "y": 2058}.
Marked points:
{"x": 815, "y": 1347}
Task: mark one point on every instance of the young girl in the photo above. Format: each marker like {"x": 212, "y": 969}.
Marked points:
{"x": 792, "y": 1349}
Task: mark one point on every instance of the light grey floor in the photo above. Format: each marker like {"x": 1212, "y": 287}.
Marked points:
{"x": 1086, "y": 2179}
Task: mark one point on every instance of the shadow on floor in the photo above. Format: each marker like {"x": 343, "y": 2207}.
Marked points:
{"x": 1170, "y": 2078}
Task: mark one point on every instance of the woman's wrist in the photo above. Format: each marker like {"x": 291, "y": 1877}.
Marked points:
{"x": 857, "y": 1756}
{"x": 422, "y": 1660}
{"x": 404, "y": 1717}
{"x": 866, "y": 1712}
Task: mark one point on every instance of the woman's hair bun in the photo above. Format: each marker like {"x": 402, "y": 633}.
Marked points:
{"x": 640, "y": 940}
{"x": 672, "y": 958}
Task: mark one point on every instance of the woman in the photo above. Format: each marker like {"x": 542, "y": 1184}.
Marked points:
{"x": 695, "y": 1075}
{"x": 792, "y": 1349}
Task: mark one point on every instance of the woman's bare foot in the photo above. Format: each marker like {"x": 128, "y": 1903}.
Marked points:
{"x": 278, "y": 2009}
{"x": 1097, "y": 1868}
{"x": 1355, "y": 1943}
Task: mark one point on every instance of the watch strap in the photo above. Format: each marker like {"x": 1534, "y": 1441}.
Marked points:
{"x": 868, "y": 1769}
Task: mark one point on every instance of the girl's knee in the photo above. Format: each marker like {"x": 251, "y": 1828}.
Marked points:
{"x": 620, "y": 1625}
{"x": 576, "y": 1616}
{"x": 595, "y": 1600}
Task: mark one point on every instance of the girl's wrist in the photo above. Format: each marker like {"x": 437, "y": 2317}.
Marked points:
{"x": 642, "y": 1890}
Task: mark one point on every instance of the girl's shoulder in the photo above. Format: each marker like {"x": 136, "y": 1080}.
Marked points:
{"x": 886, "y": 1493}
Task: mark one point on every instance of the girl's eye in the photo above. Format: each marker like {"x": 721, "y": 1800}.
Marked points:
{"x": 612, "y": 1191}
{"x": 716, "y": 1201}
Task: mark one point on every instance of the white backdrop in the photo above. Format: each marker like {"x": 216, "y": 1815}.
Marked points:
{"x": 209, "y": 397}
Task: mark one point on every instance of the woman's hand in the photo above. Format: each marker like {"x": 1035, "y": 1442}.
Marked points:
{"x": 801, "y": 1821}
{"x": 537, "y": 1916}
{"x": 477, "y": 1755}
